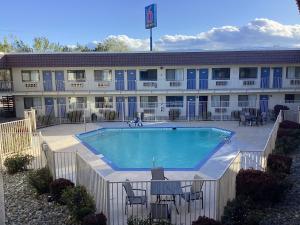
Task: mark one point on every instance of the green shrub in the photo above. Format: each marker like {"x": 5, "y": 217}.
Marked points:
{"x": 260, "y": 186}
{"x": 94, "y": 219}
{"x": 277, "y": 109}
{"x": 286, "y": 124}
{"x": 202, "y": 220}
{"x": 17, "y": 163}
{"x": 241, "y": 211}
{"x": 40, "y": 180}
{"x": 286, "y": 145}
{"x": 58, "y": 186}
{"x": 279, "y": 164}
{"x": 79, "y": 202}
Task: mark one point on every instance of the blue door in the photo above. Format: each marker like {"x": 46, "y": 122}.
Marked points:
{"x": 120, "y": 107}
{"x": 47, "y": 79}
{"x": 131, "y": 80}
{"x": 203, "y": 79}
{"x": 277, "y": 77}
{"x": 132, "y": 107}
{"x": 265, "y": 77}
{"x": 59, "y": 81}
{"x": 191, "y": 79}
{"x": 203, "y": 115}
{"x": 119, "y": 76}
{"x": 264, "y": 103}
{"x": 191, "y": 107}
{"x": 49, "y": 106}
{"x": 61, "y": 107}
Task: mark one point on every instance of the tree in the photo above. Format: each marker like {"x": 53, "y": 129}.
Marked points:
{"x": 5, "y": 46}
{"x": 20, "y": 46}
{"x": 112, "y": 45}
{"x": 42, "y": 44}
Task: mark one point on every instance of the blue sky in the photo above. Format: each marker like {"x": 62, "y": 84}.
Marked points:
{"x": 72, "y": 21}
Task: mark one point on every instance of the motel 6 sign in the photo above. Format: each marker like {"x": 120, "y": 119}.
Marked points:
{"x": 150, "y": 16}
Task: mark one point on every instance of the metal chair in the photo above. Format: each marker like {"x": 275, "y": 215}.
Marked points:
{"x": 195, "y": 192}
{"x": 158, "y": 174}
{"x": 131, "y": 198}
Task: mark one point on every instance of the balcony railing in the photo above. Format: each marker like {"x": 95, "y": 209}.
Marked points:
{"x": 120, "y": 85}
{"x": 5, "y": 86}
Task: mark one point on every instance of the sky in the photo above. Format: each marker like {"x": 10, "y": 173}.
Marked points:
{"x": 182, "y": 24}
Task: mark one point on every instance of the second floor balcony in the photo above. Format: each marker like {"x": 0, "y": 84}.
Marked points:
{"x": 6, "y": 86}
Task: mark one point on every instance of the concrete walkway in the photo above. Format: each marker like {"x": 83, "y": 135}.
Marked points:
{"x": 61, "y": 138}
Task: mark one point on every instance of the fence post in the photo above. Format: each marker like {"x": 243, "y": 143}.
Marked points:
{"x": 54, "y": 165}
{"x": 76, "y": 168}
{"x": 108, "y": 201}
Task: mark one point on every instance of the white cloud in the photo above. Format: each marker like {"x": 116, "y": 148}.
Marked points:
{"x": 259, "y": 33}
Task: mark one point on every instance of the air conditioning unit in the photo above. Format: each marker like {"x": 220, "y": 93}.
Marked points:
{"x": 220, "y": 110}
{"x": 175, "y": 83}
{"x": 150, "y": 84}
{"x": 77, "y": 85}
{"x": 103, "y": 84}
{"x": 221, "y": 83}
{"x": 31, "y": 85}
{"x": 248, "y": 82}
{"x": 295, "y": 82}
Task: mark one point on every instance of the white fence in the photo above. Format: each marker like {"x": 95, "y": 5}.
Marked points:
{"x": 111, "y": 197}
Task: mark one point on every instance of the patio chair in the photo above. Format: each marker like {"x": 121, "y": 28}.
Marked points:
{"x": 131, "y": 198}
{"x": 195, "y": 192}
{"x": 137, "y": 122}
{"x": 159, "y": 212}
{"x": 158, "y": 174}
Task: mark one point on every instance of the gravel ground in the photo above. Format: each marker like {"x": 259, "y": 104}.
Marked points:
{"x": 23, "y": 206}
{"x": 288, "y": 211}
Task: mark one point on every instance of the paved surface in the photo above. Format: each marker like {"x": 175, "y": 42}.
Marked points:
{"x": 2, "y": 208}
{"x": 61, "y": 138}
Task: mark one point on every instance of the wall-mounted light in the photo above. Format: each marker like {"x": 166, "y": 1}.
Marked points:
{"x": 161, "y": 67}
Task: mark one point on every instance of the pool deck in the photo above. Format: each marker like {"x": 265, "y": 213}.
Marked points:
{"x": 246, "y": 138}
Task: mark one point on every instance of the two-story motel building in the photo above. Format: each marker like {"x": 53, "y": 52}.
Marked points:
{"x": 195, "y": 83}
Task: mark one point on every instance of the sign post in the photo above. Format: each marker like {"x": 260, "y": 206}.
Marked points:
{"x": 150, "y": 19}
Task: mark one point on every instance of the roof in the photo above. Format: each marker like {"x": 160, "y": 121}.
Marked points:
{"x": 149, "y": 59}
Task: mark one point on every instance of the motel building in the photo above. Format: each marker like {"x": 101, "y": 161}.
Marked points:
{"x": 206, "y": 85}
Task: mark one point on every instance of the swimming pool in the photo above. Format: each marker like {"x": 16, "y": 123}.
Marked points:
{"x": 144, "y": 148}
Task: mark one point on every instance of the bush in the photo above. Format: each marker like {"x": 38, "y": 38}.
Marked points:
{"x": 286, "y": 145}
{"x": 174, "y": 114}
{"x": 260, "y": 186}
{"x": 279, "y": 164}
{"x": 40, "y": 180}
{"x": 277, "y": 109}
{"x": 202, "y": 220}
{"x": 58, "y": 186}
{"x": 283, "y": 132}
{"x": 286, "y": 124}
{"x": 241, "y": 211}
{"x": 94, "y": 219}
{"x": 79, "y": 202}
{"x": 17, "y": 163}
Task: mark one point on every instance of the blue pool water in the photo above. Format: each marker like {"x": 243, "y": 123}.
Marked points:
{"x": 143, "y": 148}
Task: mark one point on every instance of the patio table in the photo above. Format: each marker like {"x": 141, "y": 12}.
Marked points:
{"x": 172, "y": 188}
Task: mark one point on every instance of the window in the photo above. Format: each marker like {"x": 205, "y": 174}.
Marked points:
{"x": 220, "y": 101}
{"x": 103, "y": 102}
{"x": 5, "y": 75}
{"x": 174, "y": 101}
{"x": 174, "y": 74}
{"x": 148, "y": 75}
{"x": 77, "y": 103}
{"x": 30, "y": 75}
{"x": 221, "y": 73}
{"x": 293, "y": 72}
{"x": 32, "y": 102}
{"x": 247, "y": 101}
{"x": 292, "y": 98}
{"x": 102, "y": 75}
{"x": 248, "y": 73}
{"x": 148, "y": 101}
{"x": 76, "y": 75}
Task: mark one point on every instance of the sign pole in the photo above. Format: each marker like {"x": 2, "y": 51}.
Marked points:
{"x": 150, "y": 39}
